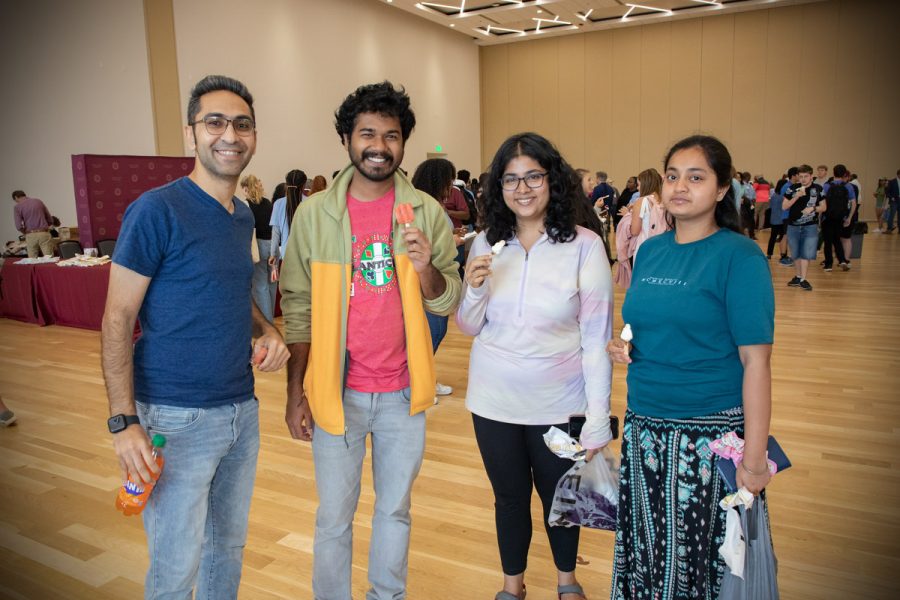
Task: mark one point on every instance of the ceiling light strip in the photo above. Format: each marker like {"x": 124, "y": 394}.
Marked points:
{"x": 653, "y": 8}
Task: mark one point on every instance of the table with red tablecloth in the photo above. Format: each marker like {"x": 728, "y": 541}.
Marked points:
{"x": 72, "y": 296}
{"x": 48, "y": 294}
{"x": 17, "y": 292}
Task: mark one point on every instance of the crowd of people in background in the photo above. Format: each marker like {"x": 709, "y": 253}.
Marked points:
{"x": 796, "y": 211}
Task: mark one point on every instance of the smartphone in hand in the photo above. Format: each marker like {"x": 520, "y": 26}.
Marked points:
{"x": 576, "y": 424}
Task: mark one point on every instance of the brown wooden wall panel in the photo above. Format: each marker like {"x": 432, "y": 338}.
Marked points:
{"x": 782, "y": 92}
{"x": 626, "y": 108}
{"x": 814, "y": 36}
{"x": 854, "y": 72}
{"x": 656, "y": 67}
{"x": 599, "y": 91}
{"x": 811, "y": 83}
{"x": 572, "y": 114}
{"x": 521, "y": 95}
{"x": 748, "y": 112}
{"x": 716, "y": 76}
{"x": 880, "y": 97}
{"x": 684, "y": 99}
{"x": 546, "y": 88}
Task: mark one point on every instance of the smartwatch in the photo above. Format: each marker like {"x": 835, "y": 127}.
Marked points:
{"x": 117, "y": 423}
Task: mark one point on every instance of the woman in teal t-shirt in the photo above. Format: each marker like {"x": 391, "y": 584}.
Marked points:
{"x": 701, "y": 309}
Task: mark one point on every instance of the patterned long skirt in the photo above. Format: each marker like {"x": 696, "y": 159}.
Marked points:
{"x": 670, "y": 525}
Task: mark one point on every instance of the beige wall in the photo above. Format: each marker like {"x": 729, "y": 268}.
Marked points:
{"x": 75, "y": 81}
{"x": 300, "y": 58}
{"x": 762, "y": 81}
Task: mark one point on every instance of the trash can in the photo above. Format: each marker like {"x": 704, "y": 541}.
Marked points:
{"x": 856, "y": 239}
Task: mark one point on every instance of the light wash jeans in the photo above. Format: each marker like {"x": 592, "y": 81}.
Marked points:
{"x": 398, "y": 442}
{"x": 263, "y": 289}
{"x": 196, "y": 518}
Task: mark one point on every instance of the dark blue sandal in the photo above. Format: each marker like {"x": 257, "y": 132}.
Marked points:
{"x": 572, "y": 588}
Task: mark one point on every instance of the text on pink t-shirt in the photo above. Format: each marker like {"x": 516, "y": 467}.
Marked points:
{"x": 376, "y": 339}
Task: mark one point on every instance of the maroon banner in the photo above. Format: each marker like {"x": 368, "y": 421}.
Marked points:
{"x": 106, "y": 184}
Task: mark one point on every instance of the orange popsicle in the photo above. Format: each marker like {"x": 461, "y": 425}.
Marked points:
{"x": 404, "y": 214}
{"x": 259, "y": 356}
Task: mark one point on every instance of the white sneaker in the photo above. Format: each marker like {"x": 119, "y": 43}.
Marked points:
{"x": 443, "y": 390}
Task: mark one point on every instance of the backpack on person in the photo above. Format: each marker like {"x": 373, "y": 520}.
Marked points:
{"x": 469, "y": 197}
{"x": 837, "y": 201}
{"x": 625, "y": 249}
{"x": 658, "y": 222}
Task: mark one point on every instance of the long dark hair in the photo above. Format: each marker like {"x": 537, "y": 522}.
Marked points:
{"x": 434, "y": 177}
{"x": 565, "y": 189}
{"x": 719, "y": 160}
{"x": 293, "y": 188}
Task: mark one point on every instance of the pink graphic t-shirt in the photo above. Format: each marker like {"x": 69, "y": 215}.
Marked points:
{"x": 376, "y": 338}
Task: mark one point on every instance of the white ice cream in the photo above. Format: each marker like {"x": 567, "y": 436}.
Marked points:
{"x": 626, "y": 334}
{"x": 496, "y": 248}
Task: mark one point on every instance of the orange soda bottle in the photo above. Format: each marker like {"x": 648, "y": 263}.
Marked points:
{"x": 133, "y": 495}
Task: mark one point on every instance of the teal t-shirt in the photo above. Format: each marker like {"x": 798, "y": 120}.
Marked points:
{"x": 690, "y": 306}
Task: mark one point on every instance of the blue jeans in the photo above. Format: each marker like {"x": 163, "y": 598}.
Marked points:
{"x": 437, "y": 325}
{"x": 803, "y": 241}
{"x": 398, "y": 442}
{"x": 196, "y": 518}
{"x": 892, "y": 206}
{"x": 263, "y": 287}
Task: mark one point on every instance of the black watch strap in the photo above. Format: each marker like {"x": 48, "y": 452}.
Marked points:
{"x": 117, "y": 423}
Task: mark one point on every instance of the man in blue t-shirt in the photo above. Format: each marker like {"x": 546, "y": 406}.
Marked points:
{"x": 841, "y": 208}
{"x": 183, "y": 266}
{"x": 779, "y": 215}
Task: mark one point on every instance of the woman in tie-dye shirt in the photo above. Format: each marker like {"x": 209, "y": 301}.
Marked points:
{"x": 541, "y": 313}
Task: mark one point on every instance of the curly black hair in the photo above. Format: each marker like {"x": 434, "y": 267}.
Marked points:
{"x": 434, "y": 177}
{"x": 565, "y": 189}
{"x": 381, "y": 98}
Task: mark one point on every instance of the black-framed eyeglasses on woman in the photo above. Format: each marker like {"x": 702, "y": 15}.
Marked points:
{"x": 532, "y": 180}
{"x": 217, "y": 124}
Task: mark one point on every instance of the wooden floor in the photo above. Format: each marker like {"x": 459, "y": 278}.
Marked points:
{"x": 834, "y": 515}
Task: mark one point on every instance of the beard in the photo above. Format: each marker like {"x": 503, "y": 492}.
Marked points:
{"x": 372, "y": 172}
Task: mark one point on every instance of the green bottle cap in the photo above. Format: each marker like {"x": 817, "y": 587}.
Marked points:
{"x": 159, "y": 440}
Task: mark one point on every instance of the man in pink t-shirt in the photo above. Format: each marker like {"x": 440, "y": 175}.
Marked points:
{"x": 393, "y": 274}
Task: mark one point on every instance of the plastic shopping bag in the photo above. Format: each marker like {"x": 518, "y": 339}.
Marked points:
{"x": 760, "y": 565}
{"x": 587, "y": 495}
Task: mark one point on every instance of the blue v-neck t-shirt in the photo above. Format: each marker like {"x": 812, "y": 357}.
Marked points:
{"x": 196, "y": 323}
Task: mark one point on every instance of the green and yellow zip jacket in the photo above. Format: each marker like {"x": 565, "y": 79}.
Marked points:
{"x": 315, "y": 293}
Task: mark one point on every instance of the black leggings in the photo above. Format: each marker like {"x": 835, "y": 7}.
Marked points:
{"x": 515, "y": 458}
{"x": 775, "y": 235}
